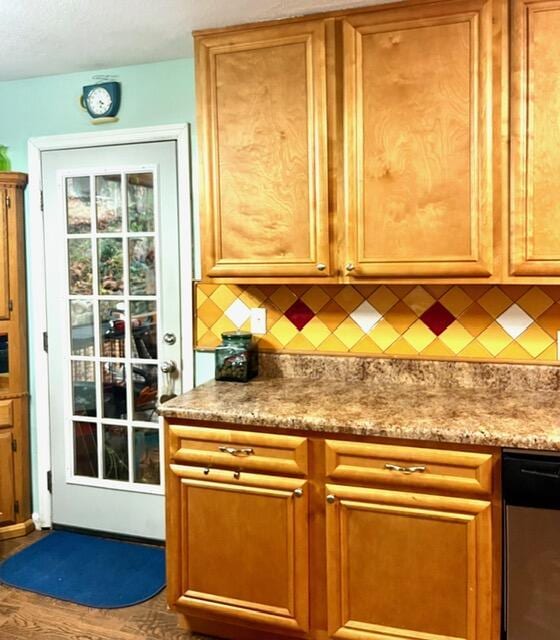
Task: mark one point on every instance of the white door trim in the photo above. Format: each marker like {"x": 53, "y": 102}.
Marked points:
{"x": 37, "y": 286}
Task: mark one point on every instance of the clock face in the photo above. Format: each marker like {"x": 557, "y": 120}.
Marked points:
{"x": 99, "y": 101}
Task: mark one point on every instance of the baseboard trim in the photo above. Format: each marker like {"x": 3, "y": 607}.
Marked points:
{"x": 108, "y": 534}
{"x": 17, "y": 530}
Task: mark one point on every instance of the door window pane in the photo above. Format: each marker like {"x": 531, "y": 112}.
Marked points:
{"x": 146, "y": 456}
{"x": 81, "y": 327}
{"x": 110, "y": 258}
{"x": 145, "y": 391}
{"x": 79, "y": 267}
{"x": 114, "y": 390}
{"x": 143, "y": 320}
{"x": 108, "y": 203}
{"x": 4, "y": 360}
{"x": 85, "y": 449}
{"x": 140, "y": 202}
{"x": 112, "y": 326}
{"x": 83, "y": 386}
{"x": 115, "y": 452}
{"x": 78, "y": 210}
{"x": 142, "y": 273}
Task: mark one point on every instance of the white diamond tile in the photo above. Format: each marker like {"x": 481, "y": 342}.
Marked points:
{"x": 238, "y": 312}
{"x": 366, "y": 316}
{"x": 514, "y": 320}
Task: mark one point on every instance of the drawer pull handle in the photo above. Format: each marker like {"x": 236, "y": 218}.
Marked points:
{"x": 406, "y": 470}
{"x": 239, "y": 453}
{"x": 298, "y": 493}
{"x": 331, "y": 499}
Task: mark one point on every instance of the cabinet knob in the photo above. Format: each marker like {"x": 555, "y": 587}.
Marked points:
{"x": 350, "y": 267}
{"x": 331, "y": 499}
{"x": 298, "y": 493}
{"x": 321, "y": 266}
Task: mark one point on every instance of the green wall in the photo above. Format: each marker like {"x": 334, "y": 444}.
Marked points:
{"x": 152, "y": 94}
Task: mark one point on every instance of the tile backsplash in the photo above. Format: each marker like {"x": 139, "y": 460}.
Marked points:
{"x": 507, "y": 323}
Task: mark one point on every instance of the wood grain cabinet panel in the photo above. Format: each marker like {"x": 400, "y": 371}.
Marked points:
{"x": 244, "y": 548}
{"x": 423, "y": 574}
{"x": 263, "y": 143}
{"x": 7, "y": 489}
{"x": 418, "y": 140}
{"x": 535, "y": 138}
{"x": 4, "y": 258}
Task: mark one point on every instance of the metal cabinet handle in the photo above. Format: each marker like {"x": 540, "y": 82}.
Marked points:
{"x": 331, "y": 499}
{"x": 406, "y": 470}
{"x": 321, "y": 266}
{"x": 239, "y": 453}
{"x": 350, "y": 267}
{"x": 298, "y": 493}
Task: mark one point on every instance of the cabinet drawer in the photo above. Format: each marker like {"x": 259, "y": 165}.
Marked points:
{"x": 224, "y": 448}
{"x": 6, "y": 413}
{"x": 409, "y": 467}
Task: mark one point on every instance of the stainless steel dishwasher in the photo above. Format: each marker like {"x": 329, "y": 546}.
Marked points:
{"x": 531, "y": 491}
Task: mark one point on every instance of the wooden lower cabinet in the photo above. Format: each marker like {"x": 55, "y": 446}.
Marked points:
{"x": 405, "y": 565}
{"x": 254, "y": 555}
{"x": 7, "y": 488}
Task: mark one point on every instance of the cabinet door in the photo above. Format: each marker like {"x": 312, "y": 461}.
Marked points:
{"x": 263, "y": 145}
{"x": 418, "y": 140}
{"x": 4, "y": 257}
{"x": 7, "y": 495}
{"x": 243, "y": 548}
{"x": 404, "y": 565}
{"x": 535, "y": 138}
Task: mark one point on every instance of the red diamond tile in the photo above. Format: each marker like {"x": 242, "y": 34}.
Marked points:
{"x": 437, "y": 318}
{"x": 299, "y": 314}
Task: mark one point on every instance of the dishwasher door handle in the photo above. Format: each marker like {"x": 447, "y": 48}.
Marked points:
{"x": 542, "y": 474}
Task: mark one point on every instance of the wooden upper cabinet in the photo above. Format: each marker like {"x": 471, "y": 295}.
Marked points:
{"x": 4, "y": 258}
{"x": 418, "y": 140}
{"x": 535, "y": 138}
{"x": 262, "y": 118}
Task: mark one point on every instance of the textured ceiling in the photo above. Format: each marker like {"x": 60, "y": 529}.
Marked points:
{"x": 43, "y": 37}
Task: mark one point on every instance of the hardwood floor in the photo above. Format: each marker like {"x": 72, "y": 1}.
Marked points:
{"x": 28, "y": 616}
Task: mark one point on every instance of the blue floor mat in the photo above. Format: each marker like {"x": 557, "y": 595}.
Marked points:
{"x": 87, "y": 570}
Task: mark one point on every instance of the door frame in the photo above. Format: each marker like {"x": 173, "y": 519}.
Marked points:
{"x": 37, "y": 292}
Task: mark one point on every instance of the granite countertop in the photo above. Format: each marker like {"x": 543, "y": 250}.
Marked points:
{"x": 518, "y": 409}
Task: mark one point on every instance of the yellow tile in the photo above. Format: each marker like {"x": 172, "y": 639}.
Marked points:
{"x": 348, "y": 298}
{"x": 419, "y": 300}
{"x": 552, "y": 290}
{"x": 269, "y": 343}
{"x": 419, "y": 336}
{"x": 316, "y": 331}
{"x": 223, "y": 296}
{"x": 332, "y": 343}
{"x": 401, "y": 290}
{"x": 253, "y": 297}
{"x": 437, "y": 290}
{"x": 283, "y": 330}
{"x": 475, "y": 291}
{"x": 515, "y": 291}
{"x": 315, "y": 298}
{"x": 246, "y": 326}
{"x": 534, "y": 340}
{"x": 549, "y": 354}
{"x": 366, "y": 345}
{"x": 513, "y": 351}
{"x": 208, "y": 340}
{"x": 332, "y": 314}
{"x": 348, "y": 332}
{"x": 283, "y": 298}
{"x": 383, "y": 334}
{"x": 207, "y": 289}
{"x": 223, "y": 324}
{"x": 383, "y": 299}
{"x": 494, "y": 301}
{"x": 475, "y": 319}
{"x": 401, "y": 316}
{"x": 200, "y": 297}
{"x": 437, "y": 348}
{"x": 550, "y": 320}
{"x": 365, "y": 290}
{"x": 494, "y": 339}
{"x": 535, "y": 302}
{"x": 401, "y": 348}
{"x": 300, "y": 343}
{"x": 272, "y": 316}
{"x": 209, "y": 312}
{"x": 456, "y": 337}
{"x": 475, "y": 350}
{"x": 456, "y": 300}
{"x": 201, "y": 329}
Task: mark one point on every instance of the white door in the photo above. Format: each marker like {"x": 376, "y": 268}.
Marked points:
{"x": 114, "y": 327}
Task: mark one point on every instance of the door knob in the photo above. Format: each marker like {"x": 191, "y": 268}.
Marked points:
{"x": 168, "y": 366}
{"x": 169, "y": 338}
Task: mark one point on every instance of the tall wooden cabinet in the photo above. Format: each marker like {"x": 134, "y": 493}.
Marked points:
{"x": 15, "y": 507}
{"x": 356, "y": 145}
